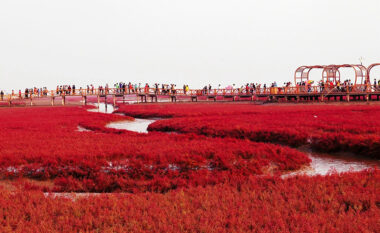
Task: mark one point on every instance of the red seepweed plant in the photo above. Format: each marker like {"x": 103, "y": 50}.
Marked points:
{"x": 214, "y": 177}
{"x": 329, "y": 128}
{"x": 335, "y": 203}
{"x": 109, "y": 160}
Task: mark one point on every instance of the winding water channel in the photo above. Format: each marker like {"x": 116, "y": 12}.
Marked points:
{"x": 321, "y": 163}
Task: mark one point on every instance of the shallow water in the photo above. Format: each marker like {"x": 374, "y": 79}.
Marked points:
{"x": 103, "y": 108}
{"x": 81, "y": 129}
{"x": 323, "y": 164}
{"x": 74, "y": 196}
{"x": 138, "y": 125}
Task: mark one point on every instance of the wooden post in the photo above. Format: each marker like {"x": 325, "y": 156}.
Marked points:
{"x": 31, "y": 101}
{"x": 52, "y": 101}
{"x": 63, "y": 100}
{"x": 114, "y": 100}
{"x": 98, "y": 100}
{"x": 348, "y": 98}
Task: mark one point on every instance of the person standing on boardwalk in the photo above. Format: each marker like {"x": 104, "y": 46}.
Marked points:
{"x": 107, "y": 88}
{"x": 204, "y": 90}
{"x": 156, "y": 89}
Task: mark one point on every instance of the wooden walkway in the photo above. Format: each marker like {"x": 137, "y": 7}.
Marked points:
{"x": 114, "y": 96}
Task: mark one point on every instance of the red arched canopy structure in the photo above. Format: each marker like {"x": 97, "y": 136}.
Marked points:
{"x": 302, "y": 73}
{"x": 360, "y": 73}
{"x": 331, "y": 74}
{"x": 369, "y": 71}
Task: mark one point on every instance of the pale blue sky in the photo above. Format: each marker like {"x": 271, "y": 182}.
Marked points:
{"x": 50, "y": 42}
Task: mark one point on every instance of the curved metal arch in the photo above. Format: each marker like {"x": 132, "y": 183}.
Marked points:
{"x": 369, "y": 71}
{"x": 331, "y": 73}
{"x": 302, "y": 73}
{"x": 360, "y": 72}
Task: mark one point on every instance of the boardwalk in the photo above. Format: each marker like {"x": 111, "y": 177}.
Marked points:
{"x": 274, "y": 94}
{"x": 331, "y": 89}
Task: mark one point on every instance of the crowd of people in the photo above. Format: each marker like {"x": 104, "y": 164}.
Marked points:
{"x": 171, "y": 89}
{"x": 27, "y": 93}
{"x": 338, "y": 86}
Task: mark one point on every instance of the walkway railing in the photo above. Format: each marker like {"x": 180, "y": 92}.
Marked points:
{"x": 270, "y": 91}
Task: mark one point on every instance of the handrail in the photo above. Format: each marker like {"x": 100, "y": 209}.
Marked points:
{"x": 289, "y": 90}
